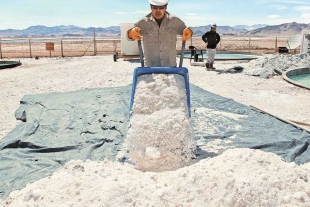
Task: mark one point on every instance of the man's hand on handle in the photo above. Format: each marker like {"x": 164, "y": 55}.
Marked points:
{"x": 187, "y": 34}
{"x": 134, "y": 33}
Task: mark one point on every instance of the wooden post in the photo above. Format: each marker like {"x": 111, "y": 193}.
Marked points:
{"x": 62, "y": 50}
{"x": 95, "y": 45}
{"x": 30, "y": 48}
{"x": 0, "y": 50}
{"x": 276, "y": 45}
{"x": 249, "y": 43}
{"x": 115, "y": 45}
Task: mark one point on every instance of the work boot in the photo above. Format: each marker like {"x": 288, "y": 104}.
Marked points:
{"x": 211, "y": 66}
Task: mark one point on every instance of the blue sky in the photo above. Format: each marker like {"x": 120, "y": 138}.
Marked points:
{"x": 20, "y": 14}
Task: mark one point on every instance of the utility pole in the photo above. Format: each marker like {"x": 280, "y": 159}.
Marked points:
{"x": 62, "y": 49}
{"x": 95, "y": 46}
{"x": 276, "y": 45}
{"x": 30, "y": 48}
{"x": 249, "y": 43}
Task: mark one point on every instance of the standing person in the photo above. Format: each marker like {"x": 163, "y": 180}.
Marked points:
{"x": 211, "y": 38}
{"x": 159, "y": 30}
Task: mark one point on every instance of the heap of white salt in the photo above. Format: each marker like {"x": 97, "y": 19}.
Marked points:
{"x": 266, "y": 65}
{"x": 160, "y": 136}
{"x": 238, "y": 177}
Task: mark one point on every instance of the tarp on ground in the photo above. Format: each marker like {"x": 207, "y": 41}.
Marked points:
{"x": 92, "y": 124}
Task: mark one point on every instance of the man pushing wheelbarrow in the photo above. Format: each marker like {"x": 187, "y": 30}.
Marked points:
{"x": 159, "y": 136}
{"x": 159, "y": 30}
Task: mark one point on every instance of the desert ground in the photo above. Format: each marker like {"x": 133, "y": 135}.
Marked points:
{"x": 238, "y": 177}
{"x": 36, "y": 47}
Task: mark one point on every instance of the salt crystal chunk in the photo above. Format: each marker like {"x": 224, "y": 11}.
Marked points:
{"x": 152, "y": 152}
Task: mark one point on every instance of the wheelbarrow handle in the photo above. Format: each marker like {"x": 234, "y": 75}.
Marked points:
{"x": 141, "y": 53}
{"x": 182, "y": 54}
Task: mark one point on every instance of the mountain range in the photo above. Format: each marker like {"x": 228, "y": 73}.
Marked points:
{"x": 60, "y": 31}
{"x": 286, "y": 29}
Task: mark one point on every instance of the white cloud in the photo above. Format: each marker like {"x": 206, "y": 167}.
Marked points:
{"x": 279, "y": 7}
{"x": 120, "y": 13}
{"x": 305, "y": 16}
{"x": 191, "y": 14}
{"x": 295, "y": 2}
{"x": 194, "y": 21}
{"x": 141, "y": 12}
{"x": 283, "y": 3}
{"x": 273, "y": 16}
{"x": 302, "y": 8}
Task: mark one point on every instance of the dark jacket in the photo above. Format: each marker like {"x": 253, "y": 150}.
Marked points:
{"x": 212, "y": 38}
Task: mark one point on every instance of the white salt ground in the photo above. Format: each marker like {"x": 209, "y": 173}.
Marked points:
{"x": 238, "y": 177}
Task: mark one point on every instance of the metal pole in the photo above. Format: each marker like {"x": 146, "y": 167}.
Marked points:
{"x": 30, "y": 48}
{"x": 0, "y": 50}
{"x": 95, "y": 46}
{"x": 141, "y": 53}
{"x": 62, "y": 50}
{"x": 182, "y": 54}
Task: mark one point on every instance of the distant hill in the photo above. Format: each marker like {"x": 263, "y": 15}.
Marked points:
{"x": 220, "y": 29}
{"x": 235, "y": 30}
{"x": 287, "y": 29}
{"x": 255, "y": 26}
{"x": 71, "y": 30}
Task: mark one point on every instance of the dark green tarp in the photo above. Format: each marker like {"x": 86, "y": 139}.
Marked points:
{"x": 92, "y": 124}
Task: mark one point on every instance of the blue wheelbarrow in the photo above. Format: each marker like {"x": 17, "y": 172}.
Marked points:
{"x": 161, "y": 70}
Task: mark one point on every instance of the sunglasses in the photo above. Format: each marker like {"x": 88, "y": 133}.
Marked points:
{"x": 158, "y": 7}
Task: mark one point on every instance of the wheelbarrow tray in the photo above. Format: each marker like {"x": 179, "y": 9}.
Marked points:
{"x": 161, "y": 70}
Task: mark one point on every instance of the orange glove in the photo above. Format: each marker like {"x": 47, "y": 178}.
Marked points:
{"x": 187, "y": 34}
{"x": 134, "y": 33}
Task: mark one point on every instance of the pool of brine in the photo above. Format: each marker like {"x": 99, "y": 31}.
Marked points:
{"x": 303, "y": 79}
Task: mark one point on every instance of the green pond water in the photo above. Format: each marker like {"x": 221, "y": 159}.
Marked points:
{"x": 2, "y": 64}
{"x": 303, "y": 79}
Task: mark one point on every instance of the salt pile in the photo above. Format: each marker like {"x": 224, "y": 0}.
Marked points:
{"x": 160, "y": 136}
{"x": 266, "y": 65}
{"x": 238, "y": 177}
